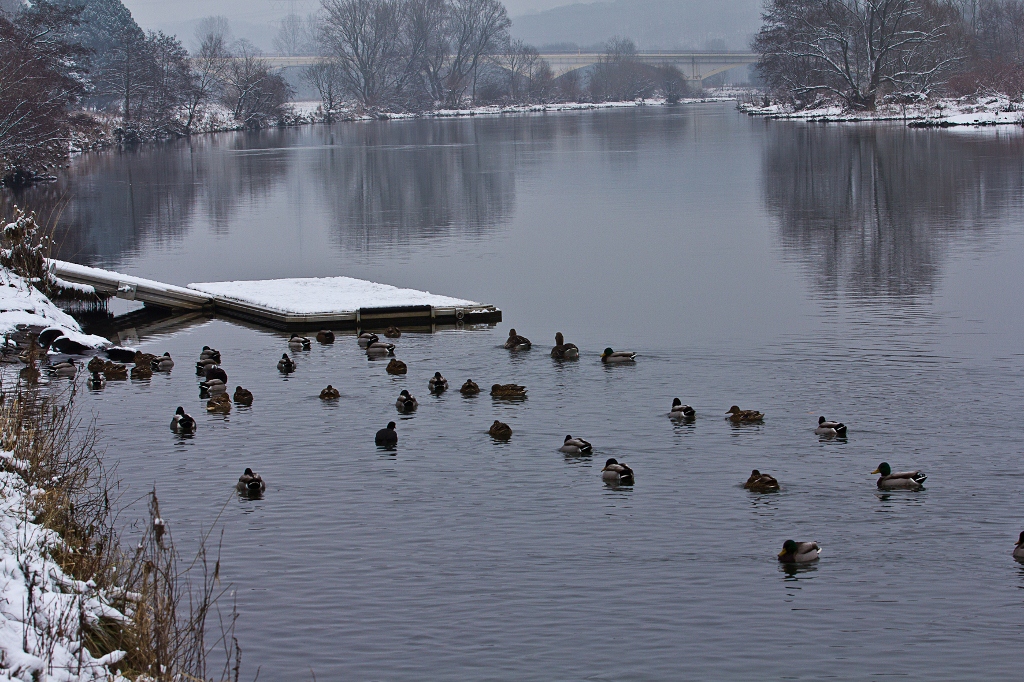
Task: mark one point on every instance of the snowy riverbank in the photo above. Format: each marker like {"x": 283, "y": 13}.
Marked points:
{"x": 940, "y": 112}
{"x": 22, "y": 305}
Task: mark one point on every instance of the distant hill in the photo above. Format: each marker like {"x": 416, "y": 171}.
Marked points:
{"x": 651, "y": 24}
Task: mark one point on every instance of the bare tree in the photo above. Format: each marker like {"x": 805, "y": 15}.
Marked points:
{"x": 364, "y": 36}
{"x": 673, "y": 83}
{"x": 517, "y": 60}
{"x": 477, "y": 28}
{"x": 215, "y": 26}
{"x": 209, "y": 65}
{"x": 570, "y": 85}
{"x": 293, "y": 36}
{"x": 620, "y": 75}
{"x": 255, "y": 93}
{"x": 325, "y": 76}
{"x": 856, "y": 49}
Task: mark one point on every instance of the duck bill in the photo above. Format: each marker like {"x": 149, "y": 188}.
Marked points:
{"x": 782, "y": 553}
{"x": 876, "y": 471}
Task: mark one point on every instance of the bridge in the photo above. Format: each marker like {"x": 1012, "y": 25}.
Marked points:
{"x": 696, "y": 66}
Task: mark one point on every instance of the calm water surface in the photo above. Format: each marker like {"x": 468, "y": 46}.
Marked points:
{"x": 870, "y": 274}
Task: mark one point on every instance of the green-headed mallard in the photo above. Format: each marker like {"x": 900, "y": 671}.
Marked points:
{"x": 378, "y": 349}
{"x": 210, "y": 354}
{"x": 516, "y": 342}
{"x": 794, "y": 552}
{"x": 325, "y": 336}
{"x": 212, "y": 387}
{"x": 899, "y": 480}
{"x": 509, "y": 391}
{"x": 366, "y": 338}
{"x": 437, "y": 383}
{"x": 563, "y": 350}
{"x": 162, "y": 363}
{"x": 250, "y": 482}
{"x": 761, "y": 483}
{"x": 681, "y": 411}
{"x": 215, "y": 372}
{"x": 500, "y": 430}
{"x": 616, "y": 473}
{"x": 575, "y": 446}
{"x": 297, "y": 342}
{"x": 181, "y": 422}
{"x": 242, "y": 396}
{"x": 469, "y": 388}
{"x": 738, "y": 416}
{"x": 610, "y": 356}
{"x": 393, "y": 332}
{"x": 64, "y": 369}
{"x": 406, "y": 402}
{"x": 827, "y": 428}
{"x": 96, "y": 381}
{"x": 387, "y": 436}
{"x": 396, "y": 367}
{"x": 285, "y": 365}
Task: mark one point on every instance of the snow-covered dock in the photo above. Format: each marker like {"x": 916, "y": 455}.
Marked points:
{"x": 335, "y": 302}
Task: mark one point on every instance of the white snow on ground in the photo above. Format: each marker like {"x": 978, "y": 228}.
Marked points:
{"x": 22, "y": 303}
{"x": 312, "y": 295}
{"x": 963, "y": 111}
{"x": 40, "y": 605}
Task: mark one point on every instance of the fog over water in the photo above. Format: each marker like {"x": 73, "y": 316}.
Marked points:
{"x": 864, "y": 273}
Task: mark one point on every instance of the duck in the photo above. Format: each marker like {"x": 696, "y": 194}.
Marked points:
{"x": 576, "y": 446}
{"x": 738, "y": 416}
{"x": 393, "y": 332}
{"x": 242, "y": 396}
{"x": 141, "y": 372}
{"x": 610, "y": 356}
{"x": 827, "y": 428}
{"x": 297, "y": 342}
{"x": 210, "y": 354}
{"x": 114, "y": 371}
{"x": 219, "y": 403}
{"x": 64, "y": 369}
{"x": 500, "y": 430}
{"x": 378, "y": 349}
{"x": 325, "y": 336}
{"x": 285, "y": 364}
{"x": 387, "y": 436}
{"x": 96, "y": 381}
{"x": 250, "y": 482}
{"x": 366, "y": 338}
{"x": 508, "y": 391}
{"x": 203, "y": 365}
{"x": 469, "y": 388}
{"x": 761, "y": 483}
{"x": 215, "y": 372}
{"x": 563, "y": 350}
{"x": 212, "y": 387}
{"x": 58, "y": 341}
{"x": 437, "y": 383}
{"x": 516, "y": 342}
{"x": 405, "y": 402}
{"x": 181, "y": 422}
{"x": 616, "y": 473}
{"x": 164, "y": 363}
{"x": 119, "y": 354}
{"x": 899, "y": 480}
{"x": 794, "y": 552}
{"x": 1018, "y": 548}
{"x": 95, "y": 365}
{"x": 680, "y": 411}
{"x": 143, "y": 359}
{"x": 396, "y": 367}
{"x": 330, "y": 393}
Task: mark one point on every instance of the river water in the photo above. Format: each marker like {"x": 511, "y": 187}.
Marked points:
{"x": 867, "y": 273}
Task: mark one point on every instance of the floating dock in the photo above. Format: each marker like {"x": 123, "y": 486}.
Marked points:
{"x": 291, "y": 304}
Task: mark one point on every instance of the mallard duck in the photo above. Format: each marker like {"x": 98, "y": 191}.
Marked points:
{"x": 610, "y": 356}
{"x": 761, "y": 483}
{"x": 387, "y": 436}
{"x": 325, "y": 336}
{"x": 1018, "y": 549}
{"x": 64, "y": 369}
{"x": 212, "y": 387}
{"x": 393, "y": 332}
{"x": 114, "y": 371}
{"x": 215, "y": 372}
{"x": 203, "y": 365}
{"x": 164, "y": 363}
{"x": 285, "y": 365}
{"x": 437, "y": 383}
{"x": 208, "y": 352}
{"x": 297, "y": 342}
{"x": 95, "y": 365}
{"x": 616, "y": 473}
{"x": 120, "y": 354}
{"x": 469, "y": 388}
{"x": 508, "y": 391}
{"x": 405, "y": 402}
{"x": 899, "y": 480}
{"x": 516, "y": 342}
{"x": 141, "y": 372}
{"x": 181, "y": 422}
{"x": 242, "y": 396}
{"x": 96, "y": 381}
{"x": 330, "y": 393}
{"x": 366, "y": 338}
{"x": 827, "y": 428}
{"x": 563, "y": 350}
{"x": 576, "y": 446}
{"x": 794, "y": 552}
{"x": 680, "y": 411}
{"x": 143, "y": 359}
{"x": 378, "y": 349}
{"x": 737, "y": 415}
{"x": 250, "y": 482}
{"x": 500, "y": 430}
{"x": 219, "y": 403}
{"x": 396, "y": 367}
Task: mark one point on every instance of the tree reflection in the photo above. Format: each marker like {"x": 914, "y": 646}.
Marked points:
{"x": 871, "y": 210}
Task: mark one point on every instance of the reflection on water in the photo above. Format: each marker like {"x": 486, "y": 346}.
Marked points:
{"x": 871, "y": 210}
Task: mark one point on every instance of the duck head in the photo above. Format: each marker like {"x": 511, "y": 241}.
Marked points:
{"x": 755, "y": 473}
{"x": 788, "y": 547}
{"x": 734, "y": 410}
{"x": 437, "y": 375}
{"x": 247, "y": 472}
{"x": 883, "y": 469}
{"x": 180, "y": 411}
{"x": 405, "y": 394}
{"x": 607, "y": 352}
{"x": 284, "y": 356}
{"x": 391, "y": 426}
{"x": 559, "y": 339}
{"x": 567, "y": 439}
{"x": 611, "y": 461}
{"x": 676, "y": 402}
{"x": 1020, "y": 540}
{"x": 511, "y": 333}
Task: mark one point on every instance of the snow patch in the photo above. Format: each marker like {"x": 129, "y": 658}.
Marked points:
{"x": 23, "y": 304}
{"x": 942, "y": 112}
